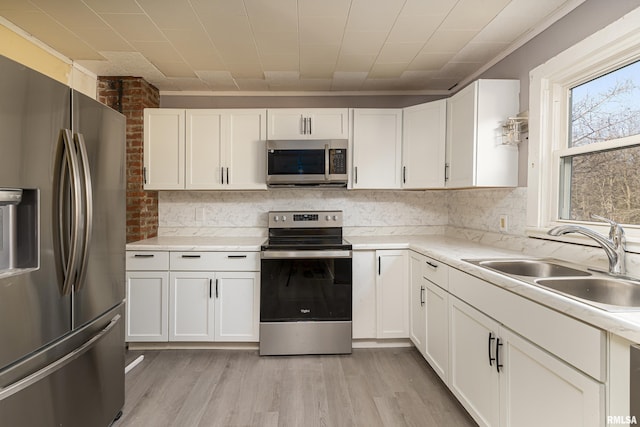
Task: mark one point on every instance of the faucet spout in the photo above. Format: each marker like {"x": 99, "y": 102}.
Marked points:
{"x": 613, "y": 245}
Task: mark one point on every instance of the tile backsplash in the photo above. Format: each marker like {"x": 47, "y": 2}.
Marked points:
{"x": 213, "y": 212}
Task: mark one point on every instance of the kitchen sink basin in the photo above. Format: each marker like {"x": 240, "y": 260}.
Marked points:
{"x": 603, "y": 290}
{"x": 531, "y": 268}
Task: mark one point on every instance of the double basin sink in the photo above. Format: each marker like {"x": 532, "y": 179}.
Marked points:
{"x": 604, "y": 291}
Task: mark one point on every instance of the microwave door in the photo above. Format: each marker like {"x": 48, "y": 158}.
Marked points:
{"x": 296, "y": 165}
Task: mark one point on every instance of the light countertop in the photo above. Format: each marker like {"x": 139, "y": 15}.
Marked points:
{"x": 198, "y": 243}
{"x": 448, "y": 250}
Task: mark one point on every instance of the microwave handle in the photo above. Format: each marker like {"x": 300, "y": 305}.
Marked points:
{"x": 326, "y": 162}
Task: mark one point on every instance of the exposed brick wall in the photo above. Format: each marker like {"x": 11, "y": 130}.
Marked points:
{"x": 130, "y": 96}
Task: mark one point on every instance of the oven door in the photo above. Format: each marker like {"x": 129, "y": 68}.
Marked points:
{"x": 306, "y": 286}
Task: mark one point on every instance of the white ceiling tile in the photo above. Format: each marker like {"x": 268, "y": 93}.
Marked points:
{"x": 427, "y": 7}
{"x": 355, "y": 63}
{"x": 252, "y": 84}
{"x": 414, "y": 28}
{"x": 175, "y": 14}
{"x": 277, "y": 43}
{"x": 386, "y": 71}
{"x": 322, "y": 29}
{"x": 399, "y": 52}
{"x": 444, "y": 41}
{"x": 324, "y": 8}
{"x": 280, "y": 15}
{"x": 362, "y": 42}
{"x": 472, "y": 14}
{"x": 175, "y": 69}
{"x": 280, "y": 62}
{"x": 373, "y": 15}
{"x": 398, "y": 44}
{"x": 133, "y": 27}
{"x": 430, "y": 61}
{"x": 113, "y": 6}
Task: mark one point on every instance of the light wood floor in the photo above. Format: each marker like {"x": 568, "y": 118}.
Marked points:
{"x": 371, "y": 387}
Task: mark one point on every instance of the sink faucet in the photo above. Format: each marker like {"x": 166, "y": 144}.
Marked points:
{"x": 613, "y": 245}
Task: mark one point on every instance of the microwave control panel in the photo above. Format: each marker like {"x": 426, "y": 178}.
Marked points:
{"x": 337, "y": 161}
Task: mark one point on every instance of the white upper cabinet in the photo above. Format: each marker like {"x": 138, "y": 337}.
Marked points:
{"x": 164, "y": 145}
{"x": 225, "y": 149}
{"x": 476, "y": 156}
{"x": 205, "y": 149}
{"x": 377, "y": 148}
{"x": 423, "y": 145}
{"x": 315, "y": 123}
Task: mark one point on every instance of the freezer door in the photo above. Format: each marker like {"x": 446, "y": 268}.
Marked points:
{"x": 101, "y": 131}
{"x": 33, "y": 109}
{"x": 76, "y": 382}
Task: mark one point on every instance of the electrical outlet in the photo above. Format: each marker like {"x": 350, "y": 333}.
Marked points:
{"x": 504, "y": 223}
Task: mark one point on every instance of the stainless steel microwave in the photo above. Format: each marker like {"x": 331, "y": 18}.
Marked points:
{"x": 307, "y": 162}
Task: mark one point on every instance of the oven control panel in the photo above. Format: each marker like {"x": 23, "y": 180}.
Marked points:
{"x": 297, "y": 219}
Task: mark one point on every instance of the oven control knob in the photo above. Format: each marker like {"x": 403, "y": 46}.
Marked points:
{"x": 276, "y": 218}
{"x": 328, "y": 217}
{"x": 335, "y": 217}
{"x": 284, "y": 217}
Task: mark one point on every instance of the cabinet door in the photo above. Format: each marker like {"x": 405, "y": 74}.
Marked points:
{"x": 204, "y": 167}
{"x": 538, "y": 389}
{"x": 392, "y": 294}
{"x": 364, "y": 294}
{"x": 377, "y": 148}
{"x": 164, "y": 147}
{"x": 191, "y": 306}
{"x": 423, "y": 145}
{"x": 328, "y": 123}
{"x": 237, "y": 306}
{"x": 417, "y": 303}
{"x": 473, "y": 376}
{"x": 437, "y": 333}
{"x": 461, "y": 137}
{"x": 286, "y": 123}
{"x": 147, "y": 306}
{"x": 245, "y": 150}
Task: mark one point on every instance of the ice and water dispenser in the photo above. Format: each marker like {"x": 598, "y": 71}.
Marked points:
{"x": 18, "y": 229}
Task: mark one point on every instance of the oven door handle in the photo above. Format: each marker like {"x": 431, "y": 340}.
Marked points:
{"x": 305, "y": 254}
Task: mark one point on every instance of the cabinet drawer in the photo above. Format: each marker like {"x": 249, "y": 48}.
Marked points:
{"x": 215, "y": 261}
{"x": 436, "y": 272}
{"x": 147, "y": 260}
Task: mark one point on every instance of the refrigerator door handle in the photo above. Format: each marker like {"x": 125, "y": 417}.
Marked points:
{"x": 14, "y": 388}
{"x": 66, "y": 196}
{"x": 87, "y": 223}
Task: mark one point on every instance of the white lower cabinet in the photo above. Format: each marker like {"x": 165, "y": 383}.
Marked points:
{"x": 191, "y": 302}
{"x": 237, "y": 306}
{"x": 392, "y": 294}
{"x": 417, "y": 303}
{"x": 364, "y": 295}
{"x": 437, "y": 331}
{"x": 192, "y": 307}
{"x": 503, "y": 379}
{"x": 147, "y": 306}
{"x": 380, "y": 294}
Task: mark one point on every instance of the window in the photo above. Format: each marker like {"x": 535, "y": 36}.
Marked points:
{"x": 599, "y": 179}
{"x": 584, "y": 133}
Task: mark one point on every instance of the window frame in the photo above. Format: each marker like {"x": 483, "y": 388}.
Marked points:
{"x": 609, "y": 49}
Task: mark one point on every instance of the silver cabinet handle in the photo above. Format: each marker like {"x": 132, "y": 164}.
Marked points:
{"x": 14, "y": 388}
{"x": 303, "y": 125}
{"x": 421, "y": 295}
{"x": 356, "y": 175}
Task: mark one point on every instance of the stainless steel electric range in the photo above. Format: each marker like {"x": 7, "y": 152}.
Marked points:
{"x": 306, "y": 285}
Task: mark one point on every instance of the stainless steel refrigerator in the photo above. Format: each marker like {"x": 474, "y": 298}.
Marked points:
{"x": 62, "y": 263}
